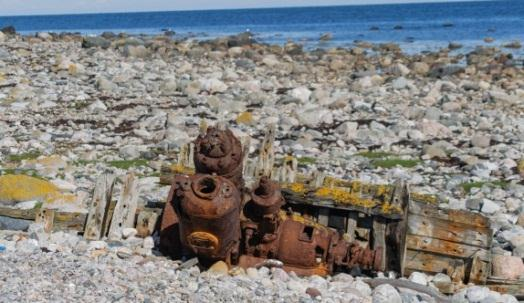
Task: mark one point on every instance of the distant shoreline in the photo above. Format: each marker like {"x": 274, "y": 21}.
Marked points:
{"x": 428, "y": 2}
{"x": 415, "y": 27}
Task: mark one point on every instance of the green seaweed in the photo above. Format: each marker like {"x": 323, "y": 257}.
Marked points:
{"x": 375, "y": 155}
{"x": 393, "y": 162}
{"x": 25, "y": 156}
{"x": 306, "y": 160}
{"x": 468, "y": 186}
{"x": 126, "y": 164}
{"x": 20, "y": 171}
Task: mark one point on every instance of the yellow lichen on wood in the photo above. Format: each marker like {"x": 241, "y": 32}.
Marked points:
{"x": 245, "y": 118}
{"x": 336, "y": 182}
{"x": 388, "y": 208}
{"x": 181, "y": 169}
{"x": 344, "y": 197}
{"x": 298, "y": 188}
{"x": 298, "y": 218}
{"x": 19, "y": 188}
{"x": 430, "y": 199}
{"x": 382, "y": 190}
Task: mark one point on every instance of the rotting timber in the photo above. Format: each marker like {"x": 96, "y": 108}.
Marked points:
{"x": 317, "y": 224}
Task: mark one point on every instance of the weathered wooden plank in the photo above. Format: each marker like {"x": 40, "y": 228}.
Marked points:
{"x": 458, "y": 216}
{"x": 443, "y": 247}
{"x": 99, "y": 206}
{"x": 514, "y": 287}
{"x": 379, "y": 238}
{"x": 323, "y": 216}
{"x": 107, "y": 220}
{"x": 46, "y": 217}
{"x": 146, "y": 222}
{"x": 26, "y": 214}
{"x": 432, "y": 263}
{"x": 125, "y": 209}
{"x": 245, "y": 141}
{"x": 351, "y": 226}
{"x": 70, "y": 221}
{"x": 266, "y": 158}
{"x": 480, "y": 268}
{"x": 62, "y": 220}
{"x": 449, "y": 230}
{"x": 318, "y": 178}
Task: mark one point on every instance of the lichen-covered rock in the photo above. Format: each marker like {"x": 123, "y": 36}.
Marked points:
{"x": 19, "y": 188}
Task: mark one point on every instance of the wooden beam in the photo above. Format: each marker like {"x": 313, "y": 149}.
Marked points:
{"x": 146, "y": 222}
{"x": 459, "y": 216}
{"x": 125, "y": 209}
{"x": 448, "y": 230}
{"x": 323, "y": 216}
{"x": 62, "y": 220}
{"x": 266, "y": 158}
{"x": 443, "y": 247}
{"x": 433, "y": 264}
{"x": 99, "y": 206}
{"x": 379, "y": 239}
{"x": 46, "y": 217}
{"x": 351, "y": 227}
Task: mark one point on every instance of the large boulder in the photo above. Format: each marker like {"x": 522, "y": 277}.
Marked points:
{"x": 9, "y": 30}
{"x": 88, "y": 42}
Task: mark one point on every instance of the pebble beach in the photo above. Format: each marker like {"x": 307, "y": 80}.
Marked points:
{"x": 450, "y": 124}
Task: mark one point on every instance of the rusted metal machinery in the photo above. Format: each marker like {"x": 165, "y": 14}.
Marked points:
{"x": 207, "y": 208}
{"x": 219, "y": 152}
{"x": 269, "y": 233}
{"x": 205, "y": 217}
{"x": 317, "y": 226}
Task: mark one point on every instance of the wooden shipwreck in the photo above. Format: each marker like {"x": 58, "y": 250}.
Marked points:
{"x": 417, "y": 235}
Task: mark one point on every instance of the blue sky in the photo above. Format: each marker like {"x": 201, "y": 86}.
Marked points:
{"x": 31, "y": 7}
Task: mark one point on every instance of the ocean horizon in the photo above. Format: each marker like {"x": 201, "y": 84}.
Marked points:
{"x": 415, "y": 27}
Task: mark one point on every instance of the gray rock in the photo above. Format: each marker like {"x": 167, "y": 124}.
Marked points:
{"x": 386, "y": 293}
{"x": 489, "y": 207}
{"x": 27, "y": 246}
{"x": 97, "y": 106}
{"x": 441, "y": 71}
{"x": 419, "y": 278}
{"x": 434, "y": 151}
{"x": 480, "y": 140}
{"x": 88, "y": 42}
{"x": 7, "y": 223}
{"x": 4, "y": 54}
{"x": 474, "y": 203}
{"x": 400, "y": 83}
{"x": 103, "y": 84}
{"x": 138, "y": 51}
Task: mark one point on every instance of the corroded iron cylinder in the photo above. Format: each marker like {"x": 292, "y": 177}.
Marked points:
{"x": 208, "y": 210}
{"x": 266, "y": 199}
{"x": 219, "y": 152}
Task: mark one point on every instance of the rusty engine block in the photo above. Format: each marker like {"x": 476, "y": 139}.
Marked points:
{"x": 211, "y": 215}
